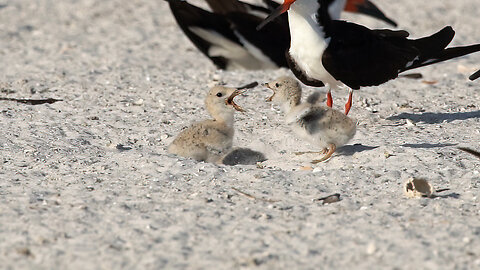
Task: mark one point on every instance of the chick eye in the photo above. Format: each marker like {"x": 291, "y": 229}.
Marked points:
{"x": 277, "y": 85}
{"x": 219, "y": 94}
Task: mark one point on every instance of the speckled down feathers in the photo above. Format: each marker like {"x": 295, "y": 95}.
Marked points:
{"x": 208, "y": 140}
{"x": 324, "y": 126}
{"x": 319, "y": 125}
{"x": 203, "y": 141}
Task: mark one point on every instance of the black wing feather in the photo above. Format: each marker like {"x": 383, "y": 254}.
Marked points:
{"x": 226, "y": 6}
{"x": 188, "y": 15}
{"x": 272, "y": 39}
{"x": 358, "y": 56}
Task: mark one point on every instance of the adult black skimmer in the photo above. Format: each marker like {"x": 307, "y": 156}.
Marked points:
{"x": 228, "y": 34}
{"x": 340, "y": 53}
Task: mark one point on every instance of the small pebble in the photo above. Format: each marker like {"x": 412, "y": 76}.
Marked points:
{"x": 371, "y": 248}
{"x": 138, "y": 102}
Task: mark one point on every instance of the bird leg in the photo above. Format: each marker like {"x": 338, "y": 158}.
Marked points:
{"x": 329, "y": 97}
{"x": 324, "y": 151}
{"x": 348, "y": 105}
{"x": 331, "y": 149}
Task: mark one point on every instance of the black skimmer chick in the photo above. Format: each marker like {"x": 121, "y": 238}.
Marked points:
{"x": 320, "y": 125}
{"x": 338, "y": 53}
{"x": 209, "y": 140}
{"x": 228, "y": 34}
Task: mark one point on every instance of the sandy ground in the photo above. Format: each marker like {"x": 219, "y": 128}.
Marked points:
{"x": 86, "y": 182}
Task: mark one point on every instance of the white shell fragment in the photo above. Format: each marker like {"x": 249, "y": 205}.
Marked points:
{"x": 418, "y": 187}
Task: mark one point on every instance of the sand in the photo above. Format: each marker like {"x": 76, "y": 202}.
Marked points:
{"x": 87, "y": 183}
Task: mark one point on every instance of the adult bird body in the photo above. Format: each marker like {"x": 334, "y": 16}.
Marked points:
{"x": 227, "y": 34}
{"x": 339, "y": 53}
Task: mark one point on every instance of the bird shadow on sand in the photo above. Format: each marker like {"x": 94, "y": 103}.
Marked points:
{"x": 434, "y": 118}
{"x": 243, "y": 156}
{"x": 427, "y": 145}
{"x": 349, "y": 150}
{"x": 453, "y": 195}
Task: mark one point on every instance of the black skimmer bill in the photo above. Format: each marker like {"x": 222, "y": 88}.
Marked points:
{"x": 340, "y": 53}
{"x": 228, "y": 34}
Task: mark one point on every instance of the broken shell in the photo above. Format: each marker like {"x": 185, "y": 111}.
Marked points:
{"x": 418, "y": 187}
{"x": 410, "y": 123}
{"x": 138, "y": 102}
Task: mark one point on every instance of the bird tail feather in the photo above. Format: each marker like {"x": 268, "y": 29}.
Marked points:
{"x": 432, "y": 49}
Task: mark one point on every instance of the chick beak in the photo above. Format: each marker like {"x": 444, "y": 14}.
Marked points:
{"x": 270, "y": 98}
{"x": 277, "y": 12}
{"x": 229, "y": 100}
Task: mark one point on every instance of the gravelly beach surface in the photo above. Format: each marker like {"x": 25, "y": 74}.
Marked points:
{"x": 86, "y": 182}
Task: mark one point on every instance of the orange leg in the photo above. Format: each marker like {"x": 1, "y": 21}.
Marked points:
{"x": 329, "y": 98}
{"x": 331, "y": 150}
{"x": 348, "y": 105}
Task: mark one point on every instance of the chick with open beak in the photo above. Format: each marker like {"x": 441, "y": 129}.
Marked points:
{"x": 229, "y": 100}
{"x": 208, "y": 140}
{"x": 322, "y": 126}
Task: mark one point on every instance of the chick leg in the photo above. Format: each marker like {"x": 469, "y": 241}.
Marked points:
{"x": 324, "y": 151}
{"x": 331, "y": 150}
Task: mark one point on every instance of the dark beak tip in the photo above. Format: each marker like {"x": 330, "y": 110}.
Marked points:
{"x": 263, "y": 23}
{"x": 272, "y": 16}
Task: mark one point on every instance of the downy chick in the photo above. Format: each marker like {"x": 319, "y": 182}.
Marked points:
{"x": 321, "y": 126}
{"x": 208, "y": 140}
